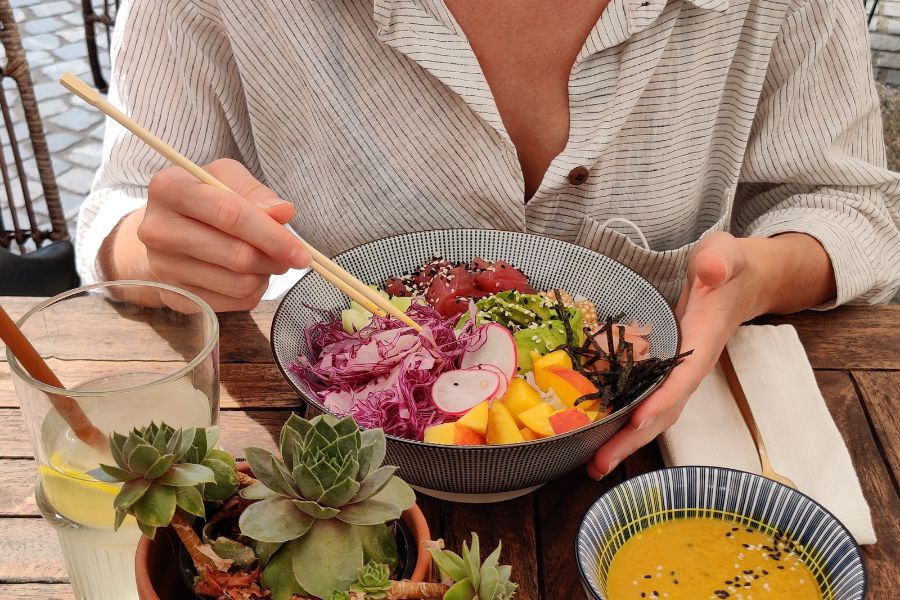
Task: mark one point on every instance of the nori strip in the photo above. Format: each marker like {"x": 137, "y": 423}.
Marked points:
{"x": 623, "y": 383}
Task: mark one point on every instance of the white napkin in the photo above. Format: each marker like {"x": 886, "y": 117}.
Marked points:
{"x": 280, "y": 284}
{"x": 802, "y": 440}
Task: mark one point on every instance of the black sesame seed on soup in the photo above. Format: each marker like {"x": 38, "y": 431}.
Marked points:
{"x": 696, "y": 558}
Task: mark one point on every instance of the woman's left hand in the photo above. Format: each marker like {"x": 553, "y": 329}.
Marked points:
{"x": 724, "y": 288}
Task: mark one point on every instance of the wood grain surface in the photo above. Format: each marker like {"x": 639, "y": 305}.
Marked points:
{"x": 881, "y": 394}
{"x": 17, "y": 493}
{"x": 242, "y": 385}
{"x": 29, "y": 552}
{"x": 33, "y": 591}
{"x": 846, "y": 410}
{"x": 855, "y": 351}
{"x": 849, "y": 337}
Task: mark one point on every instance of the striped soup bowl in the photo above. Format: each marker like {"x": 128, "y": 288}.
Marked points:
{"x": 822, "y": 542}
{"x": 498, "y": 472}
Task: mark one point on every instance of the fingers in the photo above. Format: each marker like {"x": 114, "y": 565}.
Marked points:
{"x": 239, "y": 218}
{"x": 165, "y": 235}
{"x": 182, "y": 271}
{"x": 623, "y": 444}
{"x": 243, "y": 183}
{"x": 717, "y": 259}
{"x": 219, "y": 244}
{"x": 705, "y": 329}
{"x": 218, "y": 302}
{"x": 651, "y": 418}
{"x": 683, "y": 298}
{"x": 231, "y": 213}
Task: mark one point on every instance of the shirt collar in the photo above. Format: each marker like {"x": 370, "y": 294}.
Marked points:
{"x": 623, "y": 19}
{"x": 714, "y": 5}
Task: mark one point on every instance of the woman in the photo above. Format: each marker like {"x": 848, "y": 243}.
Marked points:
{"x": 729, "y": 150}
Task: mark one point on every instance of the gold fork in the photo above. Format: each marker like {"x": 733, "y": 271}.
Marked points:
{"x": 734, "y": 384}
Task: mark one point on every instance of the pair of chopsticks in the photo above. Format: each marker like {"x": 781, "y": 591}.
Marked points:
{"x": 321, "y": 264}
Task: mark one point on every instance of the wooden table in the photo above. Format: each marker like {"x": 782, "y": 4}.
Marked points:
{"x": 855, "y": 352}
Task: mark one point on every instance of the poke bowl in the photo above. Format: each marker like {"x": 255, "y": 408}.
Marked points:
{"x": 478, "y": 471}
{"x": 713, "y": 532}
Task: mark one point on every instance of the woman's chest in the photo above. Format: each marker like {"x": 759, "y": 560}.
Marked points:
{"x": 526, "y": 50}
{"x": 388, "y": 123}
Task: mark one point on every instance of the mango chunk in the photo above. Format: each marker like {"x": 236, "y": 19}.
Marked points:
{"x": 557, "y": 358}
{"x": 537, "y": 419}
{"x": 569, "y": 385}
{"x": 445, "y": 433}
{"x": 501, "y": 427}
{"x": 463, "y": 436}
{"x": 520, "y": 397}
{"x": 477, "y": 418}
{"x": 569, "y": 419}
{"x": 593, "y": 410}
{"x": 528, "y": 434}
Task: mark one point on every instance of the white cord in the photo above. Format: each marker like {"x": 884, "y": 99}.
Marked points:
{"x": 632, "y": 225}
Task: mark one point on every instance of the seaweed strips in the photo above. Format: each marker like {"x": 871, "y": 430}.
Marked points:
{"x": 626, "y": 379}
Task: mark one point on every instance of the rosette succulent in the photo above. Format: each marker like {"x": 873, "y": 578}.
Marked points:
{"x": 163, "y": 469}
{"x": 324, "y": 505}
{"x": 373, "y": 581}
{"x": 475, "y": 580}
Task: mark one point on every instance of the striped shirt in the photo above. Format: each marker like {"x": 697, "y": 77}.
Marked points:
{"x": 687, "y": 116}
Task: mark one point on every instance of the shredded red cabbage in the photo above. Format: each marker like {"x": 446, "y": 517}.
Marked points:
{"x": 383, "y": 373}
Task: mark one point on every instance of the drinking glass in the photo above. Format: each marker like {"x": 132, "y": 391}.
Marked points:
{"x": 126, "y": 358}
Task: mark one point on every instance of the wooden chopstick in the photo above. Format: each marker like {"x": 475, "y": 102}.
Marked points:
{"x": 321, "y": 264}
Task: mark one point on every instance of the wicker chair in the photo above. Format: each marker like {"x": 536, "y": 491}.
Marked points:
{"x": 106, "y": 17}
{"x": 34, "y": 260}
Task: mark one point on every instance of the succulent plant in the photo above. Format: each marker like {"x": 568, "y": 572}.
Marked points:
{"x": 327, "y": 502}
{"x": 339, "y": 595}
{"x": 373, "y": 581}
{"x": 475, "y": 580}
{"x": 163, "y": 468}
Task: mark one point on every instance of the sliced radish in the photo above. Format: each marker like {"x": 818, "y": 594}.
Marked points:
{"x": 496, "y": 347}
{"x": 504, "y": 383}
{"x": 455, "y": 392}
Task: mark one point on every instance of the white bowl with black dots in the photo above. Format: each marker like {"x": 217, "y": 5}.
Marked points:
{"x": 822, "y": 542}
{"x": 499, "y": 472}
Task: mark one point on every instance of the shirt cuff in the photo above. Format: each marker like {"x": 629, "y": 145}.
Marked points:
{"x": 98, "y": 216}
{"x": 853, "y": 273}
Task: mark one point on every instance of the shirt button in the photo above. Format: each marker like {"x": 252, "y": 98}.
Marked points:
{"x": 578, "y": 175}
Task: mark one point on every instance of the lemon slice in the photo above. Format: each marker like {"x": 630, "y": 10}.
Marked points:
{"x": 76, "y": 495}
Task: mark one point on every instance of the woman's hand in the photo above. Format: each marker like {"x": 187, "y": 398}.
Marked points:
{"x": 730, "y": 281}
{"x": 222, "y": 246}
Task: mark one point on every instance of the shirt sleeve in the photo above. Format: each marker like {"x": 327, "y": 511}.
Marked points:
{"x": 815, "y": 161}
{"x": 173, "y": 72}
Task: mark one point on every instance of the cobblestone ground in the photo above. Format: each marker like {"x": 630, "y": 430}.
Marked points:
{"x": 885, "y": 38}
{"x": 53, "y": 36}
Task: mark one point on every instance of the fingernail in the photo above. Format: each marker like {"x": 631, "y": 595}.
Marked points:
{"x": 646, "y": 423}
{"x": 609, "y": 469}
{"x": 270, "y": 202}
{"x": 297, "y": 259}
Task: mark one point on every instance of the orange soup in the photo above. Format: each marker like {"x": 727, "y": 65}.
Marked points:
{"x": 700, "y": 557}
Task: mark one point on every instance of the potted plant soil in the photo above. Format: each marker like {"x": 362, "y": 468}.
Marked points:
{"x": 319, "y": 522}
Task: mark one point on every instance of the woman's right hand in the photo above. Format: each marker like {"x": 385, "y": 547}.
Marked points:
{"x": 219, "y": 245}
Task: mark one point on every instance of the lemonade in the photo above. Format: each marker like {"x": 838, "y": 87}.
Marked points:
{"x": 100, "y": 561}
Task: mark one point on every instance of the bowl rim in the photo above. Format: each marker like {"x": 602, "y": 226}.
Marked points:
{"x": 581, "y": 524}
{"x": 486, "y": 447}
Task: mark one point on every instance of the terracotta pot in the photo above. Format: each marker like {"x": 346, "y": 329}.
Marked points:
{"x": 159, "y": 576}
